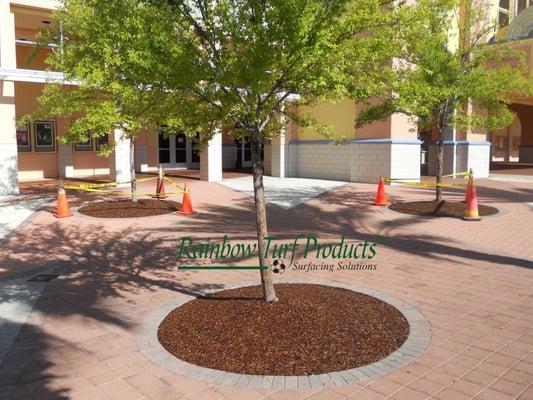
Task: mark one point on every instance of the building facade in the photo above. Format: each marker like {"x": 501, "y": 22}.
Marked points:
{"x": 390, "y": 148}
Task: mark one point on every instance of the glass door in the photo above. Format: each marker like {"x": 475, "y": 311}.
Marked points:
{"x": 180, "y": 149}
{"x": 172, "y": 150}
{"x": 195, "y": 155}
{"x": 244, "y": 153}
{"x": 164, "y": 150}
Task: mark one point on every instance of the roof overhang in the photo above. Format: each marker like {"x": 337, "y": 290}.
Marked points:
{"x": 33, "y": 76}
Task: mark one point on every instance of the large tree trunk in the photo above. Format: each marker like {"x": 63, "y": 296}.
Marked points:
{"x": 440, "y": 162}
{"x": 267, "y": 281}
{"x": 134, "y": 196}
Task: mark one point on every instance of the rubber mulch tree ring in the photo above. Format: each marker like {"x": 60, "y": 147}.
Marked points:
{"x": 312, "y": 329}
{"x": 445, "y": 208}
{"x": 129, "y": 209}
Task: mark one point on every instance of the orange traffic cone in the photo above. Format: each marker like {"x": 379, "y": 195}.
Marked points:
{"x": 381, "y": 197}
{"x": 160, "y": 185}
{"x": 472, "y": 212}
{"x": 62, "y": 210}
{"x": 186, "y": 204}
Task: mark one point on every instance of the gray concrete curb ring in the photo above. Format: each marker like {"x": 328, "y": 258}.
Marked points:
{"x": 414, "y": 346}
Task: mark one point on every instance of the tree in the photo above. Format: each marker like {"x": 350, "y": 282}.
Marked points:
{"x": 108, "y": 94}
{"x": 245, "y": 58}
{"x": 97, "y": 109}
{"x": 450, "y": 77}
{"x": 230, "y": 63}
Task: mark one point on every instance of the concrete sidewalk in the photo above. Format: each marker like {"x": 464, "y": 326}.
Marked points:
{"x": 511, "y": 178}
{"x": 284, "y": 192}
{"x": 15, "y": 209}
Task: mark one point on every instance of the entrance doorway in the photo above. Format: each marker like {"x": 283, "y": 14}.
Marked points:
{"x": 178, "y": 151}
{"x": 244, "y": 153}
{"x": 243, "y": 158}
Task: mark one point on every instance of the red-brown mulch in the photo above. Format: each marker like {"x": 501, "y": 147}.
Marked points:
{"x": 129, "y": 209}
{"x": 312, "y": 329}
{"x": 443, "y": 208}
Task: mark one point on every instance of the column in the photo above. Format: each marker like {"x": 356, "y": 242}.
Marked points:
{"x": 66, "y": 161}
{"x": 277, "y": 157}
{"x": 385, "y": 148}
{"x": 276, "y": 153}
{"x": 509, "y": 145}
{"x": 211, "y": 159}
{"x": 119, "y": 167}
{"x": 525, "y": 149}
{"x": 8, "y": 135}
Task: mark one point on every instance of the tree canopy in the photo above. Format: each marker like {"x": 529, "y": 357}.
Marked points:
{"x": 450, "y": 75}
{"x": 199, "y": 66}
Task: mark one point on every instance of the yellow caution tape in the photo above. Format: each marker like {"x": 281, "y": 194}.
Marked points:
{"x": 463, "y": 174}
{"x": 423, "y": 184}
{"x": 466, "y": 175}
{"x": 176, "y": 185}
{"x": 89, "y": 186}
{"x": 103, "y": 187}
{"x": 127, "y": 193}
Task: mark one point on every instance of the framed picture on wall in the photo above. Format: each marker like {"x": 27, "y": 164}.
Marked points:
{"x": 86, "y": 145}
{"x": 24, "y": 137}
{"x": 45, "y": 135}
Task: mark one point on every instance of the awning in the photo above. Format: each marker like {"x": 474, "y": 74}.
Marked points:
{"x": 34, "y": 76}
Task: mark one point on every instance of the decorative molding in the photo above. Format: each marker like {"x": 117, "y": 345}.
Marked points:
{"x": 34, "y": 76}
{"x": 465, "y": 142}
{"x": 388, "y": 141}
{"x": 357, "y": 141}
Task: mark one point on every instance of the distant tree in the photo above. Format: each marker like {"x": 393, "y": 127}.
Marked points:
{"x": 109, "y": 93}
{"x": 96, "y": 109}
{"x": 449, "y": 76}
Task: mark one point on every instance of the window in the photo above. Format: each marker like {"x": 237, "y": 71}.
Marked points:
{"x": 503, "y": 19}
{"x": 24, "y": 138}
{"x": 164, "y": 146}
{"x": 504, "y": 13}
{"x": 45, "y": 135}
{"x": 509, "y": 9}
{"x": 101, "y": 141}
{"x": 86, "y": 145}
{"x": 92, "y": 143}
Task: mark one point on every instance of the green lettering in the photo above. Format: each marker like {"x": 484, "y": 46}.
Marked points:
{"x": 307, "y": 243}
{"x": 185, "y": 249}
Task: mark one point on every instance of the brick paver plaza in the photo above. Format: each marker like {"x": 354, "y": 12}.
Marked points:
{"x": 77, "y": 336}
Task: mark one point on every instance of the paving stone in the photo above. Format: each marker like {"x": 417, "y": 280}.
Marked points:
{"x": 472, "y": 283}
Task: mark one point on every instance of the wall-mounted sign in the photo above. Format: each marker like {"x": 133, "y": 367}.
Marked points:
{"x": 24, "y": 137}
{"x": 45, "y": 136}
